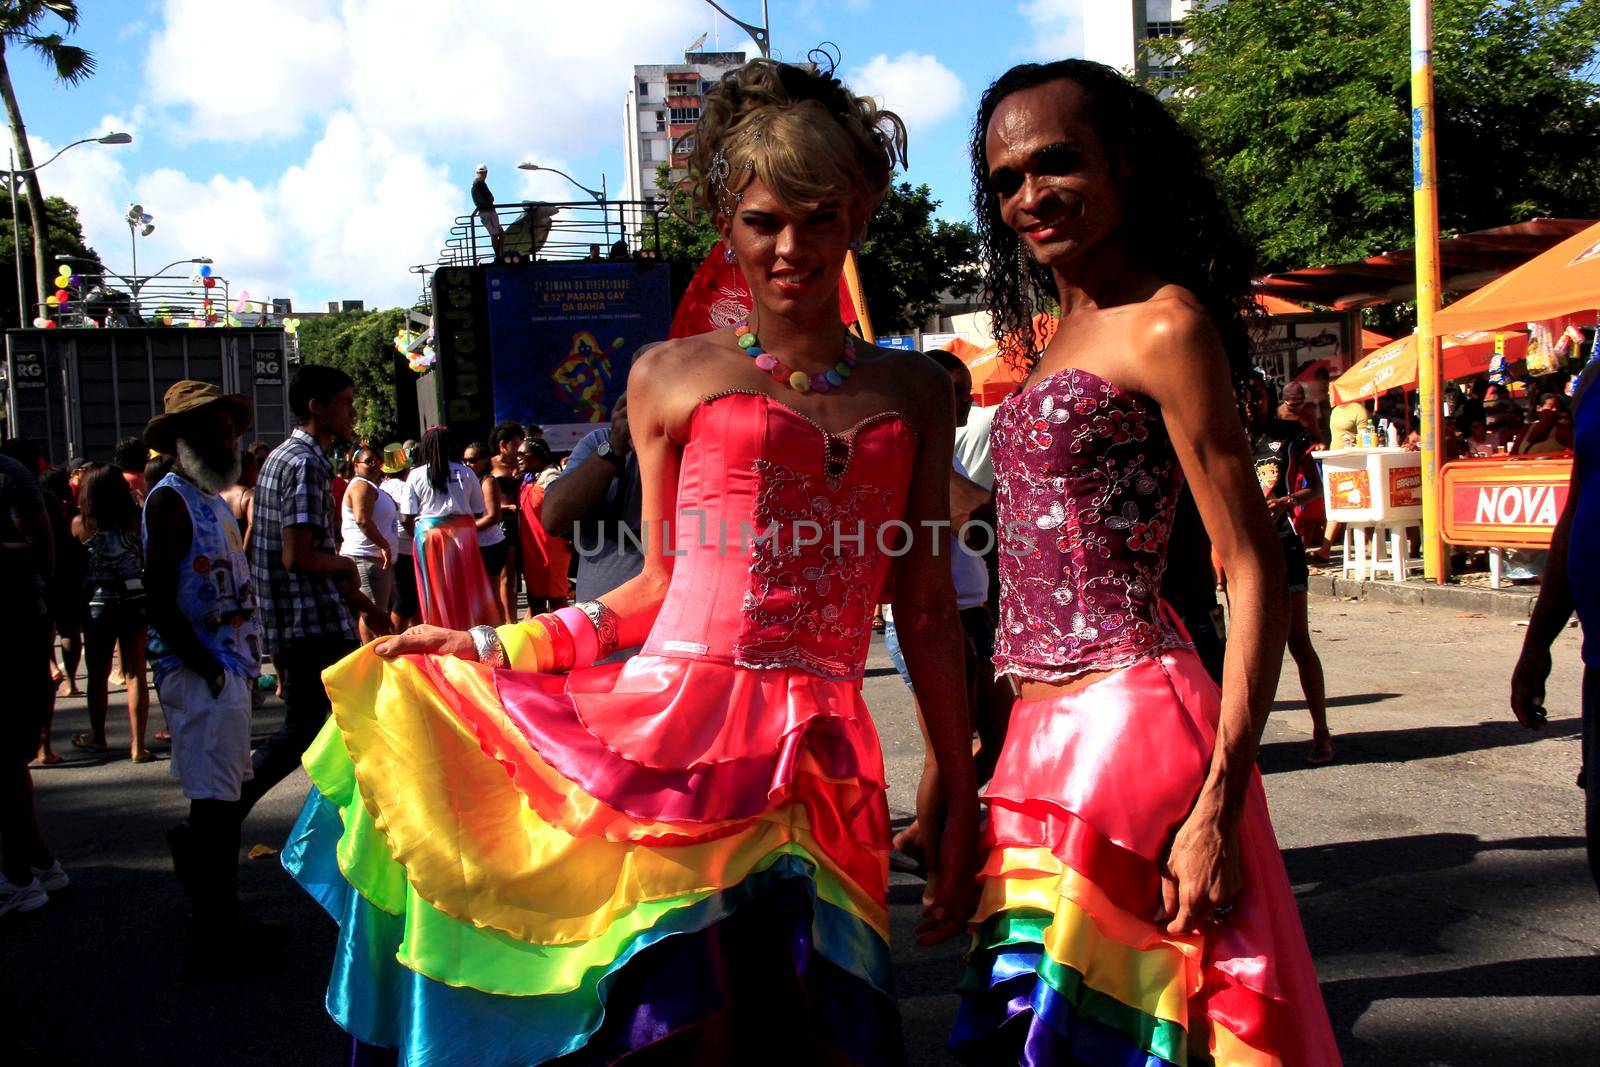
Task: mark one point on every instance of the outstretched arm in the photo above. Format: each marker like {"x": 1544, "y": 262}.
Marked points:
{"x": 1182, "y": 367}
{"x": 1550, "y": 614}
{"x": 931, "y": 638}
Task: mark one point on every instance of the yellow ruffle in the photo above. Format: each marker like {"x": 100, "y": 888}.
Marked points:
{"x": 472, "y": 847}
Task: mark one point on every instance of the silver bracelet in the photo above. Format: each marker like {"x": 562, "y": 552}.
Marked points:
{"x": 487, "y": 643}
{"x": 605, "y": 625}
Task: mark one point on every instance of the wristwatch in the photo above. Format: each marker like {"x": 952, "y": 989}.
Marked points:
{"x": 606, "y": 453}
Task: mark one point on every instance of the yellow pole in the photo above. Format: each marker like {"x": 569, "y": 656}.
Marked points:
{"x": 852, "y": 276}
{"x": 1424, "y": 181}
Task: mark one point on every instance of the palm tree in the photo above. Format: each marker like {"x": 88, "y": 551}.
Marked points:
{"x": 19, "y": 27}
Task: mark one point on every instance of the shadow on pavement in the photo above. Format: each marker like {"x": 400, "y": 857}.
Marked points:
{"x": 1414, "y": 743}
{"x": 1347, "y": 700}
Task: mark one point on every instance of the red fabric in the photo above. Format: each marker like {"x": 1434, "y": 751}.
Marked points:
{"x": 545, "y": 559}
{"x": 452, "y": 584}
{"x": 1122, "y": 759}
{"x": 719, "y": 297}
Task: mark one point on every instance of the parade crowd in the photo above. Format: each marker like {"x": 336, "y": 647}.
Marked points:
{"x": 645, "y": 815}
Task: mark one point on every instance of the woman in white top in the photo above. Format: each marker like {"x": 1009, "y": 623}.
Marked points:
{"x": 492, "y": 542}
{"x": 442, "y": 503}
{"x": 369, "y": 531}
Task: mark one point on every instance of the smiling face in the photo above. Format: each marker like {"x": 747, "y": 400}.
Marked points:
{"x": 790, "y": 258}
{"x": 1050, "y": 174}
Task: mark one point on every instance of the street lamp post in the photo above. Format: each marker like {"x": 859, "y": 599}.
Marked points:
{"x": 13, "y": 176}
{"x": 140, "y": 224}
{"x": 761, "y": 35}
{"x": 599, "y": 195}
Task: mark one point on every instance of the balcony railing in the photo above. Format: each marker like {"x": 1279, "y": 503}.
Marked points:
{"x": 547, "y": 231}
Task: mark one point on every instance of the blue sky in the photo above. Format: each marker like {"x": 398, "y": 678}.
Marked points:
{"x": 315, "y": 149}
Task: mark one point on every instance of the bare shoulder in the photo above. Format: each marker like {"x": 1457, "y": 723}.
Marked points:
{"x": 1171, "y": 335}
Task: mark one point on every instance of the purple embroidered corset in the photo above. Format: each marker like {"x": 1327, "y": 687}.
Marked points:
{"x": 1085, "y": 485}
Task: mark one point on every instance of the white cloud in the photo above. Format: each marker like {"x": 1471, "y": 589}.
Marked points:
{"x": 1055, "y": 27}
{"x": 388, "y": 89}
{"x": 480, "y": 82}
{"x": 917, "y": 87}
{"x": 283, "y": 63}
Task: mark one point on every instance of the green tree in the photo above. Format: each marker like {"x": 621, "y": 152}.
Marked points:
{"x": 687, "y": 232}
{"x": 1304, "y": 107}
{"x": 908, "y": 260}
{"x": 64, "y": 235}
{"x": 360, "y": 343}
{"x": 20, "y": 24}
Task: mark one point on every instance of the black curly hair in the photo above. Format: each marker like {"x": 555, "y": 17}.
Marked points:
{"x": 1176, "y": 222}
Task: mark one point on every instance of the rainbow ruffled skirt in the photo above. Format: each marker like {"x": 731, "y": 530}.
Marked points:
{"x": 1067, "y": 964}
{"x": 670, "y": 860}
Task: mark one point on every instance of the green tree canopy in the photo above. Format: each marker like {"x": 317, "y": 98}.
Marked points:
{"x": 64, "y": 238}
{"x": 908, "y": 260}
{"x": 360, "y": 343}
{"x": 1304, "y": 107}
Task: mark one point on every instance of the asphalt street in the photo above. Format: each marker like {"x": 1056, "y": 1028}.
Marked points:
{"x": 1438, "y": 864}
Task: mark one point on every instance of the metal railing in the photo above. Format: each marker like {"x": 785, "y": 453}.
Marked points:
{"x": 163, "y": 300}
{"x": 566, "y": 231}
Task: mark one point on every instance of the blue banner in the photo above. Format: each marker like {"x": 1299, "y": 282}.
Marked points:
{"x": 563, "y": 337}
{"x": 899, "y": 342}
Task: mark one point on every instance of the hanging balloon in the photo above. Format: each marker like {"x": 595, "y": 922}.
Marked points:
{"x": 74, "y": 280}
{"x": 291, "y": 325}
{"x": 62, "y": 281}
{"x": 209, "y": 282}
{"x": 243, "y": 303}
{"x": 63, "y": 295}
{"x": 205, "y": 270}
{"x": 51, "y": 301}
{"x": 49, "y": 325}
{"x": 40, "y": 323}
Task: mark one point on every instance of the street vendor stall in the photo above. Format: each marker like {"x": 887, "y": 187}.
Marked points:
{"x": 1377, "y": 494}
{"x": 1503, "y": 503}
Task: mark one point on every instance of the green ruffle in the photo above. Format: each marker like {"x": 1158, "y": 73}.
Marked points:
{"x": 447, "y": 950}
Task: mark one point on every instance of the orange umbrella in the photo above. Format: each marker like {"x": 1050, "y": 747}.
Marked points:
{"x": 1394, "y": 366}
{"x": 1563, "y": 281}
{"x": 1276, "y": 305}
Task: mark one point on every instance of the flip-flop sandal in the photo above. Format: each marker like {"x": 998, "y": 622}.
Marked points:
{"x": 143, "y": 757}
{"x": 82, "y": 741}
{"x": 1321, "y": 759}
{"x": 51, "y": 760}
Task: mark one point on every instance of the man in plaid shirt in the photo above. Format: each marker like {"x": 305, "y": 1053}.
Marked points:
{"x": 309, "y": 593}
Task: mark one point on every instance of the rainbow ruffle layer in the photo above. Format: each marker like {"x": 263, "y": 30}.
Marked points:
{"x": 517, "y": 878}
{"x": 1066, "y": 964}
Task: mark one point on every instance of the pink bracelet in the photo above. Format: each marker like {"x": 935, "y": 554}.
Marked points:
{"x": 585, "y": 639}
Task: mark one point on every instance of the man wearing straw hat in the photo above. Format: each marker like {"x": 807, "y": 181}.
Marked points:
{"x": 206, "y": 651}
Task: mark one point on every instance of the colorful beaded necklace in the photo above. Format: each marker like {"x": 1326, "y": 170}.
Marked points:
{"x": 798, "y": 380}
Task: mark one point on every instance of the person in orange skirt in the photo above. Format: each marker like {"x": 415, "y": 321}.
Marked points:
{"x": 546, "y": 559}
{"x": 442, "y": 502}
{"x": 1134, "y": 905}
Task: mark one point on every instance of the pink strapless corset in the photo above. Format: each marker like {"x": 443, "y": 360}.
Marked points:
{"x": 777, "y": 536}
{"x": 1085, "y": 485}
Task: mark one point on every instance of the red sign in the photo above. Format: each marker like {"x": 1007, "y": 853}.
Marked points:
{"x": 1405, "y": 487}
{"x": 1349, "y": 490}
{"x": 1503, "y": 503}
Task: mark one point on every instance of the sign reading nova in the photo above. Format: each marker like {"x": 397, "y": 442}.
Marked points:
{"x": 1503, "y": 503}
{"x": 563, "y": 337}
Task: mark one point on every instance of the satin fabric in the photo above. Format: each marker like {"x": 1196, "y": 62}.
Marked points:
{"x": 681, "y": 858}
{"x": 452, "y": 585}
{"x": 1086, "y": 795}
{"x": 546, "y": 559}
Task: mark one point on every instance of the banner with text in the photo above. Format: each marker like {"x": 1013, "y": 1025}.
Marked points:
{"x": 563, "y": 337}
